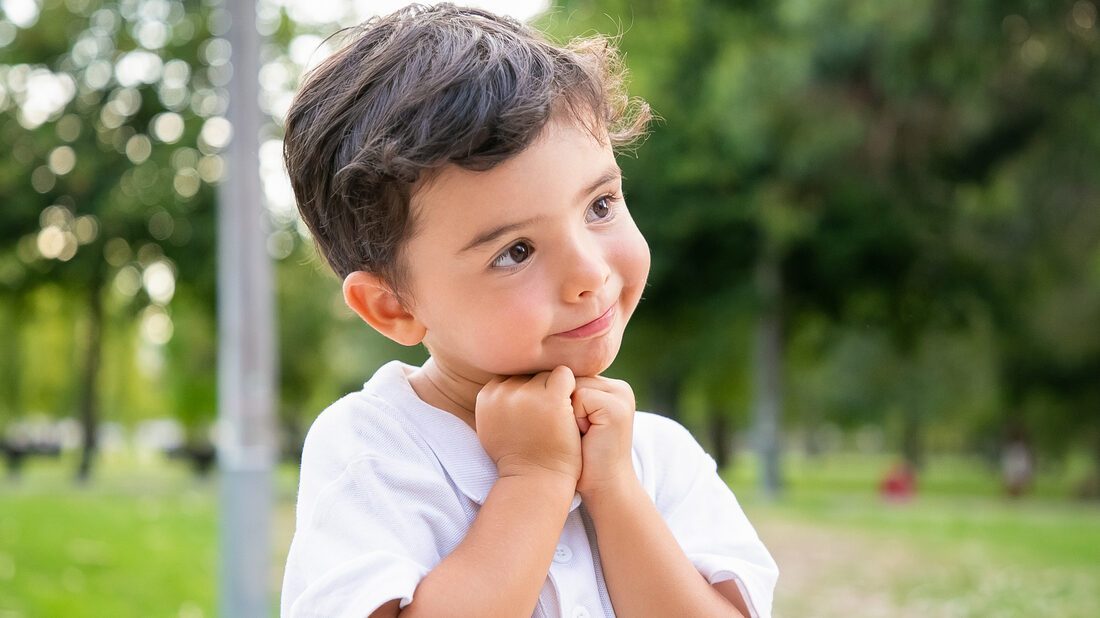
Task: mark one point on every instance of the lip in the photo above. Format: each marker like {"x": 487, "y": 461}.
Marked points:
{"x": 595, "y": 327}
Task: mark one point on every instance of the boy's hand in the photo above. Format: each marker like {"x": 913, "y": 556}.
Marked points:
{"x": 604, "y": 410}
{"x": 526, "y": 424}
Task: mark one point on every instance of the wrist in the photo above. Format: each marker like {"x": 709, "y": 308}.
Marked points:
{"x": 618, "y": 491}
{"x": 546, "y": 481}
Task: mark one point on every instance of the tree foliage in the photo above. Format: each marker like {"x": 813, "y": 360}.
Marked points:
{"x": 112, "y": 113}
{"x": 923, "y": 172}
{"x": 920, "y": 177}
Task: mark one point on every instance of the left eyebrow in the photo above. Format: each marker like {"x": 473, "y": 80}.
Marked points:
{"x": 612, "y": 173}
{"x": 493, "y": 234}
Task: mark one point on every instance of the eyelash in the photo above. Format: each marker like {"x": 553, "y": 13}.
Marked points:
{"x": 611, "y": 199}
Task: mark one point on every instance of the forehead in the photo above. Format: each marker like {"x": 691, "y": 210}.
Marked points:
{"x": 564, "y": 158}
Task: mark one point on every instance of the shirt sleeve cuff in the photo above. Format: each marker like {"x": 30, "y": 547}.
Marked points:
{"x": 358, "y": 587}
{"x": 757, "y": 595}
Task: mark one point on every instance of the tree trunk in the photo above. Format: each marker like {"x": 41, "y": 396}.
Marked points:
{"x": 88, "y": 388}
{"x": 912, "y": 447}
{"x": 767, "y": 368}
{"x": 13, "y": 372}
{"x": 719, "y": 432}
{"x": 1096, "y": 471}
{"x": 666, "y": 396}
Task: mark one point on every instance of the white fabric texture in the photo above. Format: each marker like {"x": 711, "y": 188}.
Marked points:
{"x": 390, "y": 485}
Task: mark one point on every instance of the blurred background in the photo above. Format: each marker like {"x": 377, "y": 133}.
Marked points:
{"x": 875, "y": 294}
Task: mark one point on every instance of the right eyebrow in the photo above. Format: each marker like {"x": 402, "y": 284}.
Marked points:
{"x": 612, "y": 173}
{"x": 493, "y": 234}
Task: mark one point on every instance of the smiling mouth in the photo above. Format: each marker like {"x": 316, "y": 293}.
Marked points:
{"x": 595, "y": 327}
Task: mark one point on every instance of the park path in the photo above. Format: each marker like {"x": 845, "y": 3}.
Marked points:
{"x": 833, "y": 572}
{"x": 826, "y": 573}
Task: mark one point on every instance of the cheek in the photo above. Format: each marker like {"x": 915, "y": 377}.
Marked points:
{"x": 501, "y": 312}
{"x": 634, "y": 259}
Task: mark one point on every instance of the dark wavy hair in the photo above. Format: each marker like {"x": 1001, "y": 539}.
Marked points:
{"x": 422, "y": 88}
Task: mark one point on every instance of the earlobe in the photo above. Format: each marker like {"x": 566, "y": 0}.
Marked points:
{"x": 372, "y": 299}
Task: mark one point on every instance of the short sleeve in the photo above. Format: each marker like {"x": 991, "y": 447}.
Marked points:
{"x": 706, "y": 519}
{"x": 368, "y": 532}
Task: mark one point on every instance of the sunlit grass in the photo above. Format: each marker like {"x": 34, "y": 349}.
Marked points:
{"x": 135, "y": 542}
{"x": 959, "y": 547}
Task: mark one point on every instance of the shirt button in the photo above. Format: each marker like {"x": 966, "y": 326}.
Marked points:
{"x": 563, "y": 554}
{"x": 581, "y": 611}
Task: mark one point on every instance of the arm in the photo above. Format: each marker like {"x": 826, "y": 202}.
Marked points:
{"x": 499, "y": 568}
{"x": 650, "y": 578}
{"x": 526, "y": 426}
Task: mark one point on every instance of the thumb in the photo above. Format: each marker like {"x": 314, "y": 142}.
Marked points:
{"x": 561, "y": 382}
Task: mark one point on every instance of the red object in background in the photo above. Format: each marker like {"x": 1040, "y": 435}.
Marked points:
{"x": 900, "y": 483}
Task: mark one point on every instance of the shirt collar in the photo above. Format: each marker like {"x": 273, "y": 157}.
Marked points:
{"x": 454, "y": 443}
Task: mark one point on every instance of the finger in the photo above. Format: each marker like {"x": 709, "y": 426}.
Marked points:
{"x": 615, "y": 388}
{"x": 583, "y": 425}
{"x": 490, "y": 387}
{"x": 607, "y": 385}
{"x": 601, "y": 408}
{"x": 581, "y": 415}
{"x": 561, "y": 381}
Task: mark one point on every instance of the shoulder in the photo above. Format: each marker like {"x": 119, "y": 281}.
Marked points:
{"x": 667, "y": 458}
{"x": 659, "y": 435}
{"x": 356, "y": 424}
{"x": 368, "y": 430}
{"x": 366, "y": 419}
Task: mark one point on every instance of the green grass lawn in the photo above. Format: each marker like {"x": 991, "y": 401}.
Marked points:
{"x": 957, "y": 548}
{"x": 137, "y": 541}
{"x": 140, "y": 540}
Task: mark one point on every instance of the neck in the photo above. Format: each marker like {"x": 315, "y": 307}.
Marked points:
{"x": 446, "y": 390}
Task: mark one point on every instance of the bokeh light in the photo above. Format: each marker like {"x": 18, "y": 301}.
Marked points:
{"x": 161, "y": 225}
{"x": 138, "y": 149}
{"x": 138, "y": 67}
{"x": 86, "y": 229}
{"x": 62, "y": 160}
{"x": 215, "y": 134}
{"x": 156, "y": 326}
{"x": 159, "y": 280}
{"x": 128, "y": 281}
{"x": 168, "y": 127}
{"x": 43, "y": 93}
{"x": 22, "y": 13}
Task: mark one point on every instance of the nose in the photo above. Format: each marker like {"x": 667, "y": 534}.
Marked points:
{"x": 586, "y": 269}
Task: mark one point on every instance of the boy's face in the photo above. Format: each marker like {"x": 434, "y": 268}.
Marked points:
{"x": 530, "y": 265}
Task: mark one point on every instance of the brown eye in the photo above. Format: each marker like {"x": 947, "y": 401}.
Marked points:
{"x": 600, "y": 209}
{"x": 515, "y": 254}
{"x": 519, "y": 252}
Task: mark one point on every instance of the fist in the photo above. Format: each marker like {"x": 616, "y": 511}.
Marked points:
{"x": 526, "y": 424}
{"x": 604, "y": 412}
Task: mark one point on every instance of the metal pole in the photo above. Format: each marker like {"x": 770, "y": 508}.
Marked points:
{"x": 767, "y": 372}
{"x": 246, "y": 350}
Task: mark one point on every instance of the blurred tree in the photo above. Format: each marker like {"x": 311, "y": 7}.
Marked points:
{"x": 839, "y": 187}
{"x": 910, "y": 168}
{"x": 111, "y": 110}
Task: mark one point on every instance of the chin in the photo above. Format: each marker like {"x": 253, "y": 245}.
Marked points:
{"x": 588, "y": 360}
{"x": 588, "y": 370}
{"x": 592, "y": 365}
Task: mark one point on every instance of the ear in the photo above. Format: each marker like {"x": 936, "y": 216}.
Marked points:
{"x": 373, "y": 300}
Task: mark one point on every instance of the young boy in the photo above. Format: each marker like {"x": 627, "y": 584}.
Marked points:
{"x": 457, "y": 172}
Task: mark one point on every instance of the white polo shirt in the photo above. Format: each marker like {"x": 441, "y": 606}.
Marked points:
{"x": 390, "y": 485}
